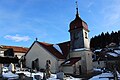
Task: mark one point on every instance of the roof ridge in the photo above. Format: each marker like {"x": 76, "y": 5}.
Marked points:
{"x": 12, "y": 46}
{"x": 63, "y": 42}
{"x": 44, "y": 43}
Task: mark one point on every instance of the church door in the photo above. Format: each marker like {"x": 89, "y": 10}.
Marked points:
{"x": 33, "y": 65}
{"x": 80, "y": 71}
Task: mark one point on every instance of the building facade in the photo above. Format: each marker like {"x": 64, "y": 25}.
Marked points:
{"x": 18, "y": 51}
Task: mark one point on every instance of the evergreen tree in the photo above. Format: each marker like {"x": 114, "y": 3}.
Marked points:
{"x": 112, "y": 36}
{"x": 104, "y": 39}
{"x": 119, "y": 37}
{"x": 107, "y": 39}
{"x": 102, "y": 42}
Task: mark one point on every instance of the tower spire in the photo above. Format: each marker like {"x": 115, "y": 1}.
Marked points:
{"x": 77, "y": 14}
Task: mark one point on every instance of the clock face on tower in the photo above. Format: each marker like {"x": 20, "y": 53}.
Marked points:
{"x": 76, "y": 36}
{"x": 75, "y": 27}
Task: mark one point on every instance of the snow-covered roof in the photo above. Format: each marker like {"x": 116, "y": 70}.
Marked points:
{"x": 71, "y": 61}
{"x": 112, "y": 54}
{"x": 81, "y": 49}
{"x": 97, "y": 50}
{"x": 67, "y": 62}
{"x": 117, "y": 51}
{"x": 58, "y": 48}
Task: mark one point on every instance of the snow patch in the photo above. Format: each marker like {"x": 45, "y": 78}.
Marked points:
{"x": 58, "y": 48}
{"x": 5, "y": 69}
{"x": 95, "y": 69}
{"x": 117, "y": 51}
{"x": 98, "y": 50}
{"x": 81, "y": 49}
{"x": 112, "y": 54}
{"x": 102, "y": 76}
{"x": 67, "y": 62}
{"x": 53, "y": 76}
{"x": 10, "y": 75}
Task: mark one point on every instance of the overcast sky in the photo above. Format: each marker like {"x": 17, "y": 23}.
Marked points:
{"x": 21, "y": 21}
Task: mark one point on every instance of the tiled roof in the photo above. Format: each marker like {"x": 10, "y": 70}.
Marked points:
{"x": 16, "y": 48}
{"x": 71, "y": 61}
{"x": 63, "y": 46}
{"x": 78, "y": 23}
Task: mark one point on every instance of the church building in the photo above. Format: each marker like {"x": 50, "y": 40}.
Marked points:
{"x": 74, "y": 56}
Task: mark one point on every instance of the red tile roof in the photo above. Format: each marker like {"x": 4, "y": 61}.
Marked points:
{"x": 78, "y": 23}
{"x": 16, "y": 48}
{"x": 63, "y": 46}
{"x": 71, "y": 61}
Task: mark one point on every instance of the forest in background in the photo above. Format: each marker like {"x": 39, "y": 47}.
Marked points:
{"x": 104, "y": 39}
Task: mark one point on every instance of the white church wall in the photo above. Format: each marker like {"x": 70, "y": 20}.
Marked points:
{"x": 86, "y": 39}
{"x": 39, "y": 52}
{"x": 68, "y": 69}
{"x": 89, "y": 61}
{"x": 86, "y": 60}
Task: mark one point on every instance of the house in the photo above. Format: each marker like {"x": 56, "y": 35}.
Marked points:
{"x": 19, "y": 51}
{"x": 73, "y": 57}
{"x": 107, "y": 57}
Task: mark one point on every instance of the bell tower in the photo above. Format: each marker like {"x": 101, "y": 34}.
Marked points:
{"x": 79, "y": 44}
{"x": 78, "y": 33}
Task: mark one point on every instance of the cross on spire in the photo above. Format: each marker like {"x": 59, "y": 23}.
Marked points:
{"x": 77, "y": 8}
{"x": 36, "y": 39}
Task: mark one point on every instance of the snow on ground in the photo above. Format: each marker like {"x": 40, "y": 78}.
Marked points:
{"x": 9, "y": 74}
{"x": 103, "y": 76}
{"x": 53, "y": 76}
{"x": 118, "y": 74}
{"x": 28, "y": 74}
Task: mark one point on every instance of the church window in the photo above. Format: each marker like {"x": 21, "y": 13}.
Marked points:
{"x": 48, "y": 61}
{"x": 86, "y": 35}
